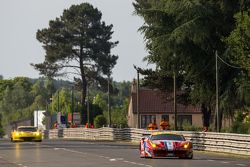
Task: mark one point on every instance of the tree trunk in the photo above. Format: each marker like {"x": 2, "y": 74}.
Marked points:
{"x": 83, "y": 97}
{"x": 220, "y": 119}
{"x": 83, "y": 114}
{"x": 206, "y": 111}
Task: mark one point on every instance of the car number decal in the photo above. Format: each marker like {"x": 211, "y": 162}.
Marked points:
{"x": 169, "y": 145}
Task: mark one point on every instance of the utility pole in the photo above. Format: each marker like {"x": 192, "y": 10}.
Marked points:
{"x": 72, "y": 103}
{"x": 58, "y": 100}
{"x": 217, "y": 92}
{"x": 109, "y": 112}
{"x": 88, "y": 104}
{"x": 175, "y": 109}
{"x": 138, "y": 91}
{"x": 174, "y": 94}
{"x": 137, "y": 97}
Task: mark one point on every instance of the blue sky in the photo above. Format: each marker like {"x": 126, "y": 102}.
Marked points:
{"x": 20, "y": 21}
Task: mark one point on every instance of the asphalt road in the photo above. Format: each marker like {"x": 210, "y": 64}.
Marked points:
{"x": 61, "y": 153}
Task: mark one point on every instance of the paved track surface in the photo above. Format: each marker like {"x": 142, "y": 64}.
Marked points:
{"x": 61, "y": 153}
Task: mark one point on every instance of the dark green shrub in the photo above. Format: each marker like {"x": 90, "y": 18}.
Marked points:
{"x": 100, "y": 121}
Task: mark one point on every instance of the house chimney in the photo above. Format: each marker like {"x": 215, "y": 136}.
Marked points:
{"x": 134, "y": 86}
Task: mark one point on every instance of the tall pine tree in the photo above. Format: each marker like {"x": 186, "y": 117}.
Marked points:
{"x": 78, "y": 43}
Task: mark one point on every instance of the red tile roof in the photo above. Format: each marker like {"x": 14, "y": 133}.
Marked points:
{"x": 152, "y": 101}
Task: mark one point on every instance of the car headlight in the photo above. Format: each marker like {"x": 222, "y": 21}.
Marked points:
{"x": 186, "y": 146}
{"x": 153, "y": 145}
{"x": 37, "y": 133}
{"x": 17, "y": 134}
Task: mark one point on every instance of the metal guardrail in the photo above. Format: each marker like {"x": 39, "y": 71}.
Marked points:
{"x": 205, "y": 141}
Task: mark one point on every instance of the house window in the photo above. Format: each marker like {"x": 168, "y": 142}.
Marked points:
{"x": 184, "y": 119}
{"x": 166, "y": 117}
{"x": 146, "y": 119}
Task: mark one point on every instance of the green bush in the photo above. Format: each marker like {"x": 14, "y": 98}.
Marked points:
{"x": 186, "y": 126}
{"x": 100, "y": 121}
{"x": 241, "y": 124}
{"x": 239, "y": 127}
{"x": 1, "y": 132}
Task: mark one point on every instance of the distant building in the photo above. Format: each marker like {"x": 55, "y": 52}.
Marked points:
{"x": 39, "y": 118}
{"x": 153, "y": 105}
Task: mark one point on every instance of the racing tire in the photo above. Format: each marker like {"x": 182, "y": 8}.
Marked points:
{"x": 13, "y": 141}
{"x": 144, "y": 156}
{"x": 141, "y": 156}
{"x": 190, "y": 156}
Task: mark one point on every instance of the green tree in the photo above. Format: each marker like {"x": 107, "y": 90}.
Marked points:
{"x": 15, "y": 99}
{"x": 182, "y": 38}
{"x": 100, "y": 101}
{"x": 79, "y": 42}
{"x": 119, "y": 115}
{"x": 100, "y": 121}
{"x": 50, "y": 87}
{"x": 1, "y": 127}
{"x": 239, "y": 41}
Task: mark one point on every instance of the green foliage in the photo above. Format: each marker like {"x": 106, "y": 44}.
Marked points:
{"x": 15, "y": 98}
{"x": 241, "y": 123}
{"x": 100, "y": 121}
{"x": 19, "y": 101}
{"x": 1, "y": 127}
{"x": 118, "y": 115}
{"x": 79, "y": 42}
{"x": 182, "y": 37}
{"x": 119, "y": 104}
{"x": 186, "y": 126}
{"x": 101, "y": 101}
{"x": 239, "y": 41}
{"x": 95, "y": 110}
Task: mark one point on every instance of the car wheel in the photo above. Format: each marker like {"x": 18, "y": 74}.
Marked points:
{"x": 190, "y": 156}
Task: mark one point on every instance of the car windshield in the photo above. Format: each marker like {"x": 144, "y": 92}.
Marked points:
{"x": 168, "y": 137}
{"x": 27, "y": 129}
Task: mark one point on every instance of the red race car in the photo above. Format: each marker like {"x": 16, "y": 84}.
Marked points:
{"x": 165, "y": 144}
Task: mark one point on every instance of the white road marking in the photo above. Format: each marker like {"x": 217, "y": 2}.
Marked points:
{"x": 110, "y": 159}
{"x": 73, "y": 151}
{"x": 211, "y": 160}
{"x": 224, "y": 162}
{"x": 148, "y": 165}
{"x": 241, "y": 164}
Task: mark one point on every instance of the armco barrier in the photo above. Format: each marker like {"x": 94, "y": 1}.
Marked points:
{"x": 206, "y": 141}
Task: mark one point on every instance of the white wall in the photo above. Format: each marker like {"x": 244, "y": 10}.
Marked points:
{"x": 38, "y": 119}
